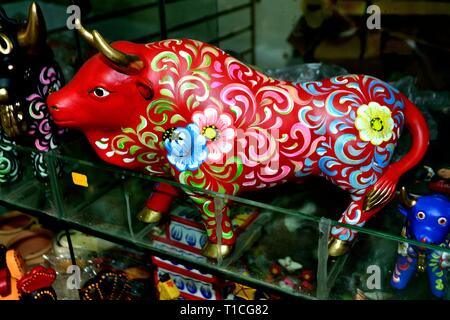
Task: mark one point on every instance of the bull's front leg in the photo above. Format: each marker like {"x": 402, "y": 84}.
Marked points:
{"x": 405, "y": 268}
{"x": 216, "y": 219}
{"x": 215, "y": 215}
{"x": 158, "y": 203}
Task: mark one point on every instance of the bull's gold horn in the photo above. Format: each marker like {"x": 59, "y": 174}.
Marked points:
{"x": 126, "y": 63}
{"x": 86, "y": 35}
{"x": 34, "y": 33}
{"x": 405, "y": 199}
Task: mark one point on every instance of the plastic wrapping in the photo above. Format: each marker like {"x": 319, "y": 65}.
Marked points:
{"x": 426, "y": 101}
{"x": 306, "y": 72}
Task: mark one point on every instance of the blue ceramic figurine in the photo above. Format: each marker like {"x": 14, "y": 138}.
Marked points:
{"x": 428, "y": 221}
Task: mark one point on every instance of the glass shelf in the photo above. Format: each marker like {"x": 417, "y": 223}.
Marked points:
{"x": 280, "y": 225}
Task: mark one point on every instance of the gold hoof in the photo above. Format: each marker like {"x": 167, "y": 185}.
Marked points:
{"x": 338, "y": 247}
{"x": 149, "y": 216}
{"x": 213, "y": 250}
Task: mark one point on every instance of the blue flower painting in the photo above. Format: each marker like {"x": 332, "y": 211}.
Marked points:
{"x": 186, "y": 148}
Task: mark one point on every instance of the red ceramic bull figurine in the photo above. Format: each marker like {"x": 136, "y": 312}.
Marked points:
{"x": 188, "y": 111}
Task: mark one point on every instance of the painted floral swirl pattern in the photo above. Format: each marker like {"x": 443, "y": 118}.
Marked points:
{"x": 259, "y": 132}
{"x": 41, "y": 128}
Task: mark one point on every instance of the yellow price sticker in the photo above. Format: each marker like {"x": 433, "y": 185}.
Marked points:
{"x": 80, "y": 179}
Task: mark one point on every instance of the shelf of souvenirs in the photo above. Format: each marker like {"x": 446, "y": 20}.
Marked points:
{"x": 282, "y": 241}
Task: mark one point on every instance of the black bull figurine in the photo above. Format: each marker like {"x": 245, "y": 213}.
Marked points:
{"x": 28, "y": 74}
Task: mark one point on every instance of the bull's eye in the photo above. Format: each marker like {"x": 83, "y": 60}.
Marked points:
{"x": 100, "y": 92}
{"x": 420, "y": 215}
{"x": 442, "y": 221}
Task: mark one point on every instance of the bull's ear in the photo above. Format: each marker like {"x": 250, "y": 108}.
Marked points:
{"x": 145, "y": 89}
{"x": 403, "y": 210}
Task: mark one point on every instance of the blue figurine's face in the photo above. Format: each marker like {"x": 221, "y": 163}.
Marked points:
{"x": 429, "y": 219}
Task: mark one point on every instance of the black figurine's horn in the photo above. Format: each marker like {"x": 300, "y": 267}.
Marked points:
{"x": 8, "y": 45}
{"x": 406, "y": 200}
{"x": 34, "y": 33}
{"x": 125, "y": 63}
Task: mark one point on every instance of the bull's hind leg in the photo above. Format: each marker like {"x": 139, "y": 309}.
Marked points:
{"x": 364, "y": 204}
{"x": 341, "y": 237}
{"x": 361, "y": 208}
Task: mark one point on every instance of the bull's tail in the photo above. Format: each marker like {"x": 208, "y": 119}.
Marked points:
{"x": 384, "y": 189}
{"x": 418, "y": 128}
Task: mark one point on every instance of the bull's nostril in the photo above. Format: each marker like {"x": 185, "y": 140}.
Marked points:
{"x": 54, "y": 108}
{"x": 425, "y": 240}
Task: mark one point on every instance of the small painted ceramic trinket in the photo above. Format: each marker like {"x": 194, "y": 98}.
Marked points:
{"x": 28, "y": 75}
{"x": 428, "y": 221}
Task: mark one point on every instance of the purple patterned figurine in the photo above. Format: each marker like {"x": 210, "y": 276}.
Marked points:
{"x": 28, "y": 74}
{"x": 428, "y": 221}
